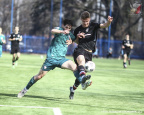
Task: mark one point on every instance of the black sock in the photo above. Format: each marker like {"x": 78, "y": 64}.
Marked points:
{"x": 81, "y": 70}
{"x": 76, "y": 84}
{"x": 31, "y": 82}
{"x": 124, "y": 63}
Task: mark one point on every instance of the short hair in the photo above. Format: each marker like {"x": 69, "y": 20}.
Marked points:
{"x": 128, "y": 34}
{"x": 67, "y": 22}
{"x": 85, "y": 15}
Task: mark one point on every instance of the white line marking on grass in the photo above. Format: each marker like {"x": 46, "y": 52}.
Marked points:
{"x": 56, "y": 111}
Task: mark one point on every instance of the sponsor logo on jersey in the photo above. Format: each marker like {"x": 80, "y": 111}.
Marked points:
{"x": 87, "y": 29}
{"x": 45, "y": 67}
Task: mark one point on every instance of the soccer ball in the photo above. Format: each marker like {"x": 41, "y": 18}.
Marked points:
{"x": 89, "y": 66}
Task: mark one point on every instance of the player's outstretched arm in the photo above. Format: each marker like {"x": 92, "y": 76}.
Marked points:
{"x": 56, "y": 31}
{"x": 105, "y": 25}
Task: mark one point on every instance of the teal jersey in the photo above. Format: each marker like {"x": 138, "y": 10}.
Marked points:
{"x": 58, "y": 47}
{"x": 1, "y": 37}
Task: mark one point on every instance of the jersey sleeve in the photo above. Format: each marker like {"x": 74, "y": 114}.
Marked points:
{"x": 72, "y": 37}
{"x": 58, "y": 28}
{"x": 75, "y": 32}
{"x": 97, "y": 26}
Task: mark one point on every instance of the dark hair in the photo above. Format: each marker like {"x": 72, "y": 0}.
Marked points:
{"x": 85, "y": 15}
{"x": 67, "y": 22}
{"x": 128, "y": 34}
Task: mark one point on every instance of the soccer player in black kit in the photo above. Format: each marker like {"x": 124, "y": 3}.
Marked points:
{"x": 86, "y": 39}
{"x": 127, "y": 45}
{"x": 15, "y": 38}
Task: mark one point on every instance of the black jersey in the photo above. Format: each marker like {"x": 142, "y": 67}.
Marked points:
{"x": 90, "y": 36}
{"x": 15, "y": 43}
{"x": 125, "y": 42}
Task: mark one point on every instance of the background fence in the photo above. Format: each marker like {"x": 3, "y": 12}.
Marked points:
{"x": 35, "y": 44}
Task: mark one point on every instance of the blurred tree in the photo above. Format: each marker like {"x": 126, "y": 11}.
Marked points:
{"x": 33, "y": 16}
{"x": 5, "y": 8}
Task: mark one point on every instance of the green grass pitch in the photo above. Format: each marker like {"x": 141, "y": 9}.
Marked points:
{"x": 114, "y": 91}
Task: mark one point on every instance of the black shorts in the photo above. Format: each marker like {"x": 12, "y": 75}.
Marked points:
{"x": 127, "y": 52}
{"x": 15, "y": 50}
{"x": 80, "y": 51}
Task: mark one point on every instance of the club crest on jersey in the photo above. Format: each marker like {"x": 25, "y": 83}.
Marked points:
{"x": 87, "y": 29}
{"x": 45, "y": 67}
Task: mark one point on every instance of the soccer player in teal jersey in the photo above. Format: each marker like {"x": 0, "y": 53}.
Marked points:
{"x": 2, "y": 41}
{"x": 56, "y": 55}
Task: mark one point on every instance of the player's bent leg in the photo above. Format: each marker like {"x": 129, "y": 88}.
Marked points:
{"x": 73, "y": 67}
{"x": 32, "y": 81}
{"x": 69, "y": 65}
{"x": 35, "y": 78}
{"x": 81, "y": 60}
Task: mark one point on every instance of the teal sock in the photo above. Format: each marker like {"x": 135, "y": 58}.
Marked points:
{"x": 31, "y": 82}
{"x": 76, "y": 74}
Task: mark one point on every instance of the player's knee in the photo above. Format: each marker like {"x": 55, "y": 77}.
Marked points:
{"x": 39, "y": 77}
{"x": 81, "y": 63}
{"x": 13, "y": 56}
{"x": 125, "y": 56}
{"x": 81, "y": 60}
{"x": 74, "y": 67}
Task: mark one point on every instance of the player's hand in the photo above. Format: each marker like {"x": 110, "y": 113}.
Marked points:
{"x": 14, "y": 39}
{"x": 110, "y": 19}
{"x": 66, "y": 32}
{"x": 123, "y": 47}
{"x": 81, "y": 35}
{"x": 68, "y": 42}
